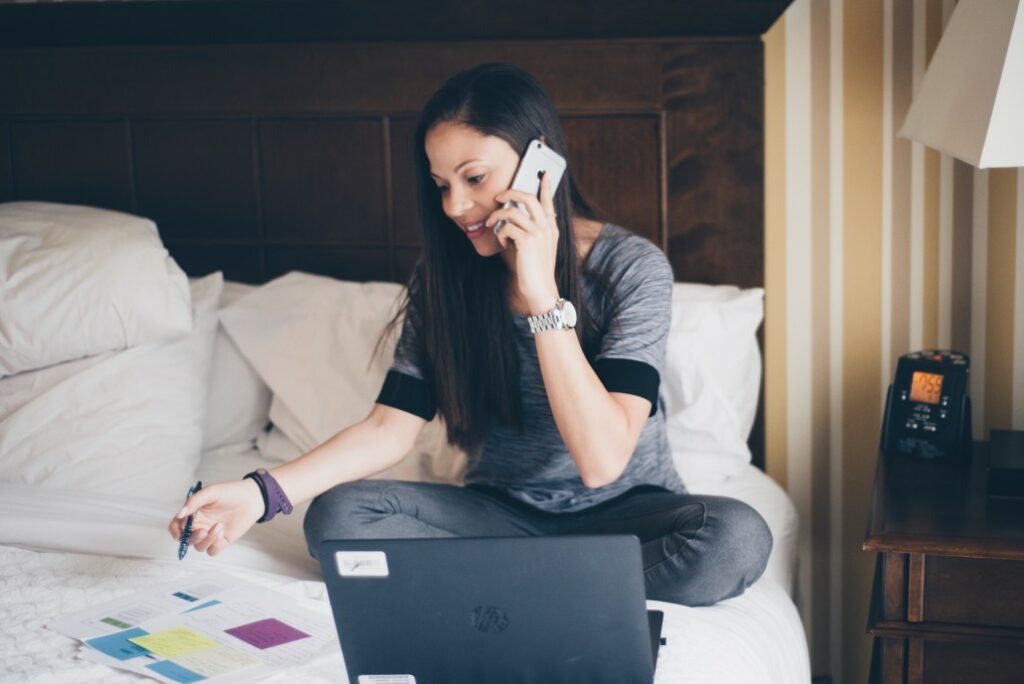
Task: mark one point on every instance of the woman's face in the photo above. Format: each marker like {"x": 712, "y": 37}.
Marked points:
{"x": 470, "y": 170}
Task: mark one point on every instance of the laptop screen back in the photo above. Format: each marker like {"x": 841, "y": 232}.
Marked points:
{"x": 513, "y": 609}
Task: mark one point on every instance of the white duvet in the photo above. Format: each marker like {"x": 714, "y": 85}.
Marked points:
{"x": 60, "y": 551}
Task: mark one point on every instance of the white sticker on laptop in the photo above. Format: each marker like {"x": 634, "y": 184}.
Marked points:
{"x": 387, "y": 679}
{"x": 364, "y": 564}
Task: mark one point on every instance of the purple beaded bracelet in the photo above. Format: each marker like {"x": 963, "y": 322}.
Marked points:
{"x": 274, "y": 499}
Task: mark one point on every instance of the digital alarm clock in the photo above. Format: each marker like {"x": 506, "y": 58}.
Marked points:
{"x": 927, "y": 410}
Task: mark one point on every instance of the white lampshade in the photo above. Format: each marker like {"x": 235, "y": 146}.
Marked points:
{"x": 971, "y": 101}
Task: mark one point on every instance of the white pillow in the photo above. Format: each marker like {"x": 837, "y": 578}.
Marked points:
{"x": 712, "y": 379}
{"x": 121, "y": 423}
{"x": 431, "y": 460}
{"x": 238, "y": 401}
{"x": 59, "y": 272}
{"x": 311, "y": 338}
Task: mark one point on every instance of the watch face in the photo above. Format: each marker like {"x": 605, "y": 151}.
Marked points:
{"x": 569, "y": 314}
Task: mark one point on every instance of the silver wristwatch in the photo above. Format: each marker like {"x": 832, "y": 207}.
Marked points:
{"x": 562, "y": 317}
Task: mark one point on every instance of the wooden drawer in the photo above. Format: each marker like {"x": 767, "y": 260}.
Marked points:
{"x": 966, "y": 662}
{"x": 972, "y": 591}
{"x": 947, "y": 659}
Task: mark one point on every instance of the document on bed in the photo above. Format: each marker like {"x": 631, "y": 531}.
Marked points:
{"x": 167, "y": 598}
{"x": 238, "y": 633}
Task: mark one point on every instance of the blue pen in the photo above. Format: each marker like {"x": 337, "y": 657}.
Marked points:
{"x": 186, "y": 532}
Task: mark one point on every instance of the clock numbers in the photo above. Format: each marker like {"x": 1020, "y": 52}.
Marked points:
{"x": 926, "y": 387}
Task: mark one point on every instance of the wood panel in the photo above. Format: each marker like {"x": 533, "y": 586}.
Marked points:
{"x": 324, "y": 170}
{"x": 970, "y": 662}
{"x": 895, "y": 586}
{"x": 177, "y": 163}
{"x": 893, "y": 660}
{"x": 76, "y": 162}
{"x": 714, "y": 101}
{"x": 243, "y": 263}
{"x": 915, "y": 661}
{"x": 320, "y": 79}
{"x": 323, "y": 181}
{"x": 974, "y": 591}
{"x": 915, "y": 587}
{"x": 327, "y": 20}
{"x": 405, "y": 260}
{"x": 6, "y": 167}
{"x": 361, "y": 264}
{"x": 616, "y": 162}
{"x": 405, "y": 207}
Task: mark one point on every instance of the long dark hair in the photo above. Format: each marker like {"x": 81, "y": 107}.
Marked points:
{"x": 468, "y": 333}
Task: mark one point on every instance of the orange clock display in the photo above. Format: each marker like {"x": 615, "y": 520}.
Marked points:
{"x": 926, "y": 387}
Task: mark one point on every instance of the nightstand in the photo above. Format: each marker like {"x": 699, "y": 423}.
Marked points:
{"x": 948, "y": 598}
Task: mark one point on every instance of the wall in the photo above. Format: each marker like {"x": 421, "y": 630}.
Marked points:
{"x": 875, "y": 246}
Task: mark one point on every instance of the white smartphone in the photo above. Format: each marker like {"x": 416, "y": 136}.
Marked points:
{"x": 538, "y": 158}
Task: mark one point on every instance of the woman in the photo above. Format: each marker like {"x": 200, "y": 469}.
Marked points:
{"x": 562, "y": 424}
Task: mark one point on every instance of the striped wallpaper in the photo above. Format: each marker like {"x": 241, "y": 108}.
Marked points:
{"x": 875, "y": 246}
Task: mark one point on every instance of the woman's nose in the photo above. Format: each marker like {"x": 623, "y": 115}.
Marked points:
{"x": 457, "y": 203}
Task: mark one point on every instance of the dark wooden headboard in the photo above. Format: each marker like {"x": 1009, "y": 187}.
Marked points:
{"x": 270, "y": 139}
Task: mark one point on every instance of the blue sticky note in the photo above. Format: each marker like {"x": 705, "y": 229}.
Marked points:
{"x": 203, "y": 605}
{"x": 117, "y": 645}
{"x": 185, "y": 597}
{"x": 176, "y": 672}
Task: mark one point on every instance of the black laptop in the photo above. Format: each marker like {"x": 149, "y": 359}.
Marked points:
{"x": 480, "y": 610}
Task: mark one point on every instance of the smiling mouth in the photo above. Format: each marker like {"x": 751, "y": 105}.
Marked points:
{"x": 474, "y": 231}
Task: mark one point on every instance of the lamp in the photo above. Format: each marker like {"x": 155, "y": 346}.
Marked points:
{"x": 970, "y": 104}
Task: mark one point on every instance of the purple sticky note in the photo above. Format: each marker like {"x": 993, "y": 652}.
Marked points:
{"x": 266, "y": 633}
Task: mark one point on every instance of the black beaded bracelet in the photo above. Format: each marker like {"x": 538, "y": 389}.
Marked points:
{"x": 263, "y": 492}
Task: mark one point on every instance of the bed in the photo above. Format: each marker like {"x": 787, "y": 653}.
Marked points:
{"x": 83, "y": 516}
{"x": 217, "y": 143}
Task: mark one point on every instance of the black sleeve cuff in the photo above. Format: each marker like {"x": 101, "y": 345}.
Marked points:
{"x": 409, "y": 394}
{"x": 630, "y": 377}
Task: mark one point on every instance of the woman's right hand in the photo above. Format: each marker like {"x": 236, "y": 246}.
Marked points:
{"x": 221, "y": 514}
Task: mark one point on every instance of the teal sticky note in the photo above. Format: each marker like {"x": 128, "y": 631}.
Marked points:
{"x": 116, "y": 645}
{"x": 176, "y": 672}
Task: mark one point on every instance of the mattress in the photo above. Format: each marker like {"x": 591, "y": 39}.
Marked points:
{"x": 64, "y": 550}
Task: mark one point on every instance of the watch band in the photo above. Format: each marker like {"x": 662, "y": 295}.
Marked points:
{"x": 274, "y": 499}
{"x": 552, "y": 320}
{"x": 542, "y": 322}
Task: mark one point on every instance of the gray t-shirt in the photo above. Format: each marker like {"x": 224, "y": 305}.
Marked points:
{"x": 627, "y": 283}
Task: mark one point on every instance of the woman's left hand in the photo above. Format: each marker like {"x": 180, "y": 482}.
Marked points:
{"x": 535, "y": 240}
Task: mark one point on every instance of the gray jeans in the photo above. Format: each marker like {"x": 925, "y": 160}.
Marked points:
{"x": 697, "y": 550}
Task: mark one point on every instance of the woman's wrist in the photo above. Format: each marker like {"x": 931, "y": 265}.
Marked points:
{"x": 541, "y": 304}
{"x": 274, "y": 499}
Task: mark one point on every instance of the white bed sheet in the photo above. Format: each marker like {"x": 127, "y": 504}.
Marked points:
{"x": 84, "y": 549}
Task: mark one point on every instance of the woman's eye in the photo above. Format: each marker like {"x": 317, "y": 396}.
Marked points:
{"x": 472, "y": 180}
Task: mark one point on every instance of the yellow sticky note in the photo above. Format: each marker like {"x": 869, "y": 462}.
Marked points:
{"x": 217, "y": 661}
{"x": 171, "y": 643}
